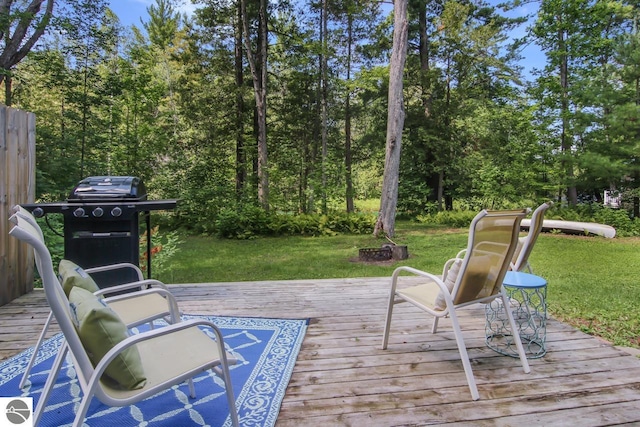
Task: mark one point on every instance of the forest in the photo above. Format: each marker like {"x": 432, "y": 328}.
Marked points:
{"x": 281, "y": 106}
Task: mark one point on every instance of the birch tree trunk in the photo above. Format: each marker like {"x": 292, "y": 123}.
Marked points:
{"x": 395, "y": 124}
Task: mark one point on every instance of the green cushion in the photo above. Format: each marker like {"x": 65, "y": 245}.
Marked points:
{"x": 73, "y": 275}
{"x": 100, "y": 328}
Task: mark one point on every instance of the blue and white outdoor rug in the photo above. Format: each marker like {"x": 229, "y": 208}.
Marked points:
{"x": 266, "y": 350}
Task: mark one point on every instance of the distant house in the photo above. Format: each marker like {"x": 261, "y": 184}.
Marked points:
{"x": 612, "y": 199}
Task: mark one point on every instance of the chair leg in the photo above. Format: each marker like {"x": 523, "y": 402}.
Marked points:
{"x": 51, "y": 380}
{"x": 82, "y": 409}
{"x": 464, "y": 356}
{"x": 434, "y": 326}
{"x": 192, "y": 389}
{"x": 231, "y": 400}
{"x": 387, "y": 323}
{"x": 36, "y": 349}
{"x": 514, "y": 332}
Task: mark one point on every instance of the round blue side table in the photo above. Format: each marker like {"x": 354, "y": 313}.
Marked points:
{"x": 528, "y": 296}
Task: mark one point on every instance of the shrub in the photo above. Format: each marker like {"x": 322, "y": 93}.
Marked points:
{"x": 164, "y": 245}
{"x": 455, "y": 219}
{"x": 620, "y": 220}
{"x": 253, "y": 222}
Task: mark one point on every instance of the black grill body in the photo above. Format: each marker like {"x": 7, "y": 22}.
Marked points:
{"x": 102, "y": 224}
{"x": 90, "y": 242}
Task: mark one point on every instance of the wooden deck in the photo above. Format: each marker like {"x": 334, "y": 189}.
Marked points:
{"x": 343, "y": 378}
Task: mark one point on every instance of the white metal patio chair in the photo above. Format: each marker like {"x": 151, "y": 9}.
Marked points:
{"x": 134, "y": 308}
{"x": 520, "y": 260}
{"x": 167, "y": 356}
{"x": 476, "y": 278}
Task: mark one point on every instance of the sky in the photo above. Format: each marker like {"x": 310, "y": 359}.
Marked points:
{"x": 131, "y": 12}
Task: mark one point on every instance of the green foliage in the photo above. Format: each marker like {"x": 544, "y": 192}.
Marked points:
{"x": 457, "y": 219}
{"x": 164, "y": 246}
{"x": 251, "y": 222}
{"x": 590, "y": 212}
{"x": 242, "y": 224}
{"x": 594, "y": 284}
{"x": 618, "y": 219}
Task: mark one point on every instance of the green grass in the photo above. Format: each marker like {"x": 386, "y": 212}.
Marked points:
{"x": 593, "y": 284}
{"x": 592, "y": 281}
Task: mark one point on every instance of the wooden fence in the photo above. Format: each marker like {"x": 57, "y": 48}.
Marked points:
{"x": 17, "y": 186}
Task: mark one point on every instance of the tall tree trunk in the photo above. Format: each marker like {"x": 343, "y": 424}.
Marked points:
{"x": 7, "y": 90}
{"x": 447, "y": 135}
{"x": 263, "y": 167}
{"x": 241, "y": 157}
{"x": 565, "y": 140}
{"x": 424, "y": 61}
{"x": 395, "y": 124}
{"x": 324, "y": 96}
{"x": 259, "y": 76}
{"x": 636, "y": 199}
{"x": 85, "y": 107}
{"x": 347, "y": 122}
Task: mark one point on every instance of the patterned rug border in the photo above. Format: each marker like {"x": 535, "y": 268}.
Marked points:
{"x": 272, "y": 358}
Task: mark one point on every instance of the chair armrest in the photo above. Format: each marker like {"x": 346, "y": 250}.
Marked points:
{"x": 434, "y": 278}
{"x": 161, "y": 291}
{"x": 437, "y": 279}
{"x": 172, "y": 303}
{"x": 118, "y": 266}
{"x": 148, "y": 283}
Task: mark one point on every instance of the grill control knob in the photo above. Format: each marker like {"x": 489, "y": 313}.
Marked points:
{"x": 98, "y": 212}
{"x": 78, "y": 213}
{"x": 117, "y": 211}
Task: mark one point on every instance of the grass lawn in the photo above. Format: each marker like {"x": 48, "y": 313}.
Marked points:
{"x": 592, "y": 281}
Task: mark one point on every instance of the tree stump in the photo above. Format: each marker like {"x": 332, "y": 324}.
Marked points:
{"x": 399, "y": 252}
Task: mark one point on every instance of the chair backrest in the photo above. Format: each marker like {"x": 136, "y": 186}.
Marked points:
{"x": 25, "y": 231}
{"x": 21, "y": 212}
{"x": 537, "y": 219}
{"x": 493, "y": 237}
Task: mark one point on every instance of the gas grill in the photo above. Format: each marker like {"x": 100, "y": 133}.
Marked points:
{"x": 102, "y": 224}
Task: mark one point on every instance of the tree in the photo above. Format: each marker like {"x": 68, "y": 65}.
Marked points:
{"x": 163, "y": 23}
{"x": 352, "y": 35}
{"x": 580, "y": 91}
{"x": 258, "y": 64}
{"x": 395, "y": 123}
{"x": 87, "y": 43}
{"x": 460, "y": 76}
{"x": 28, "y": 25}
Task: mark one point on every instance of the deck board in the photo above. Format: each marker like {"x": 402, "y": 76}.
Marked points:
{"x": 343, "y": 378}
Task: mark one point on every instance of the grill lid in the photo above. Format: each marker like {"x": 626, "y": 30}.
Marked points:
{"x": 101, "y": 188}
